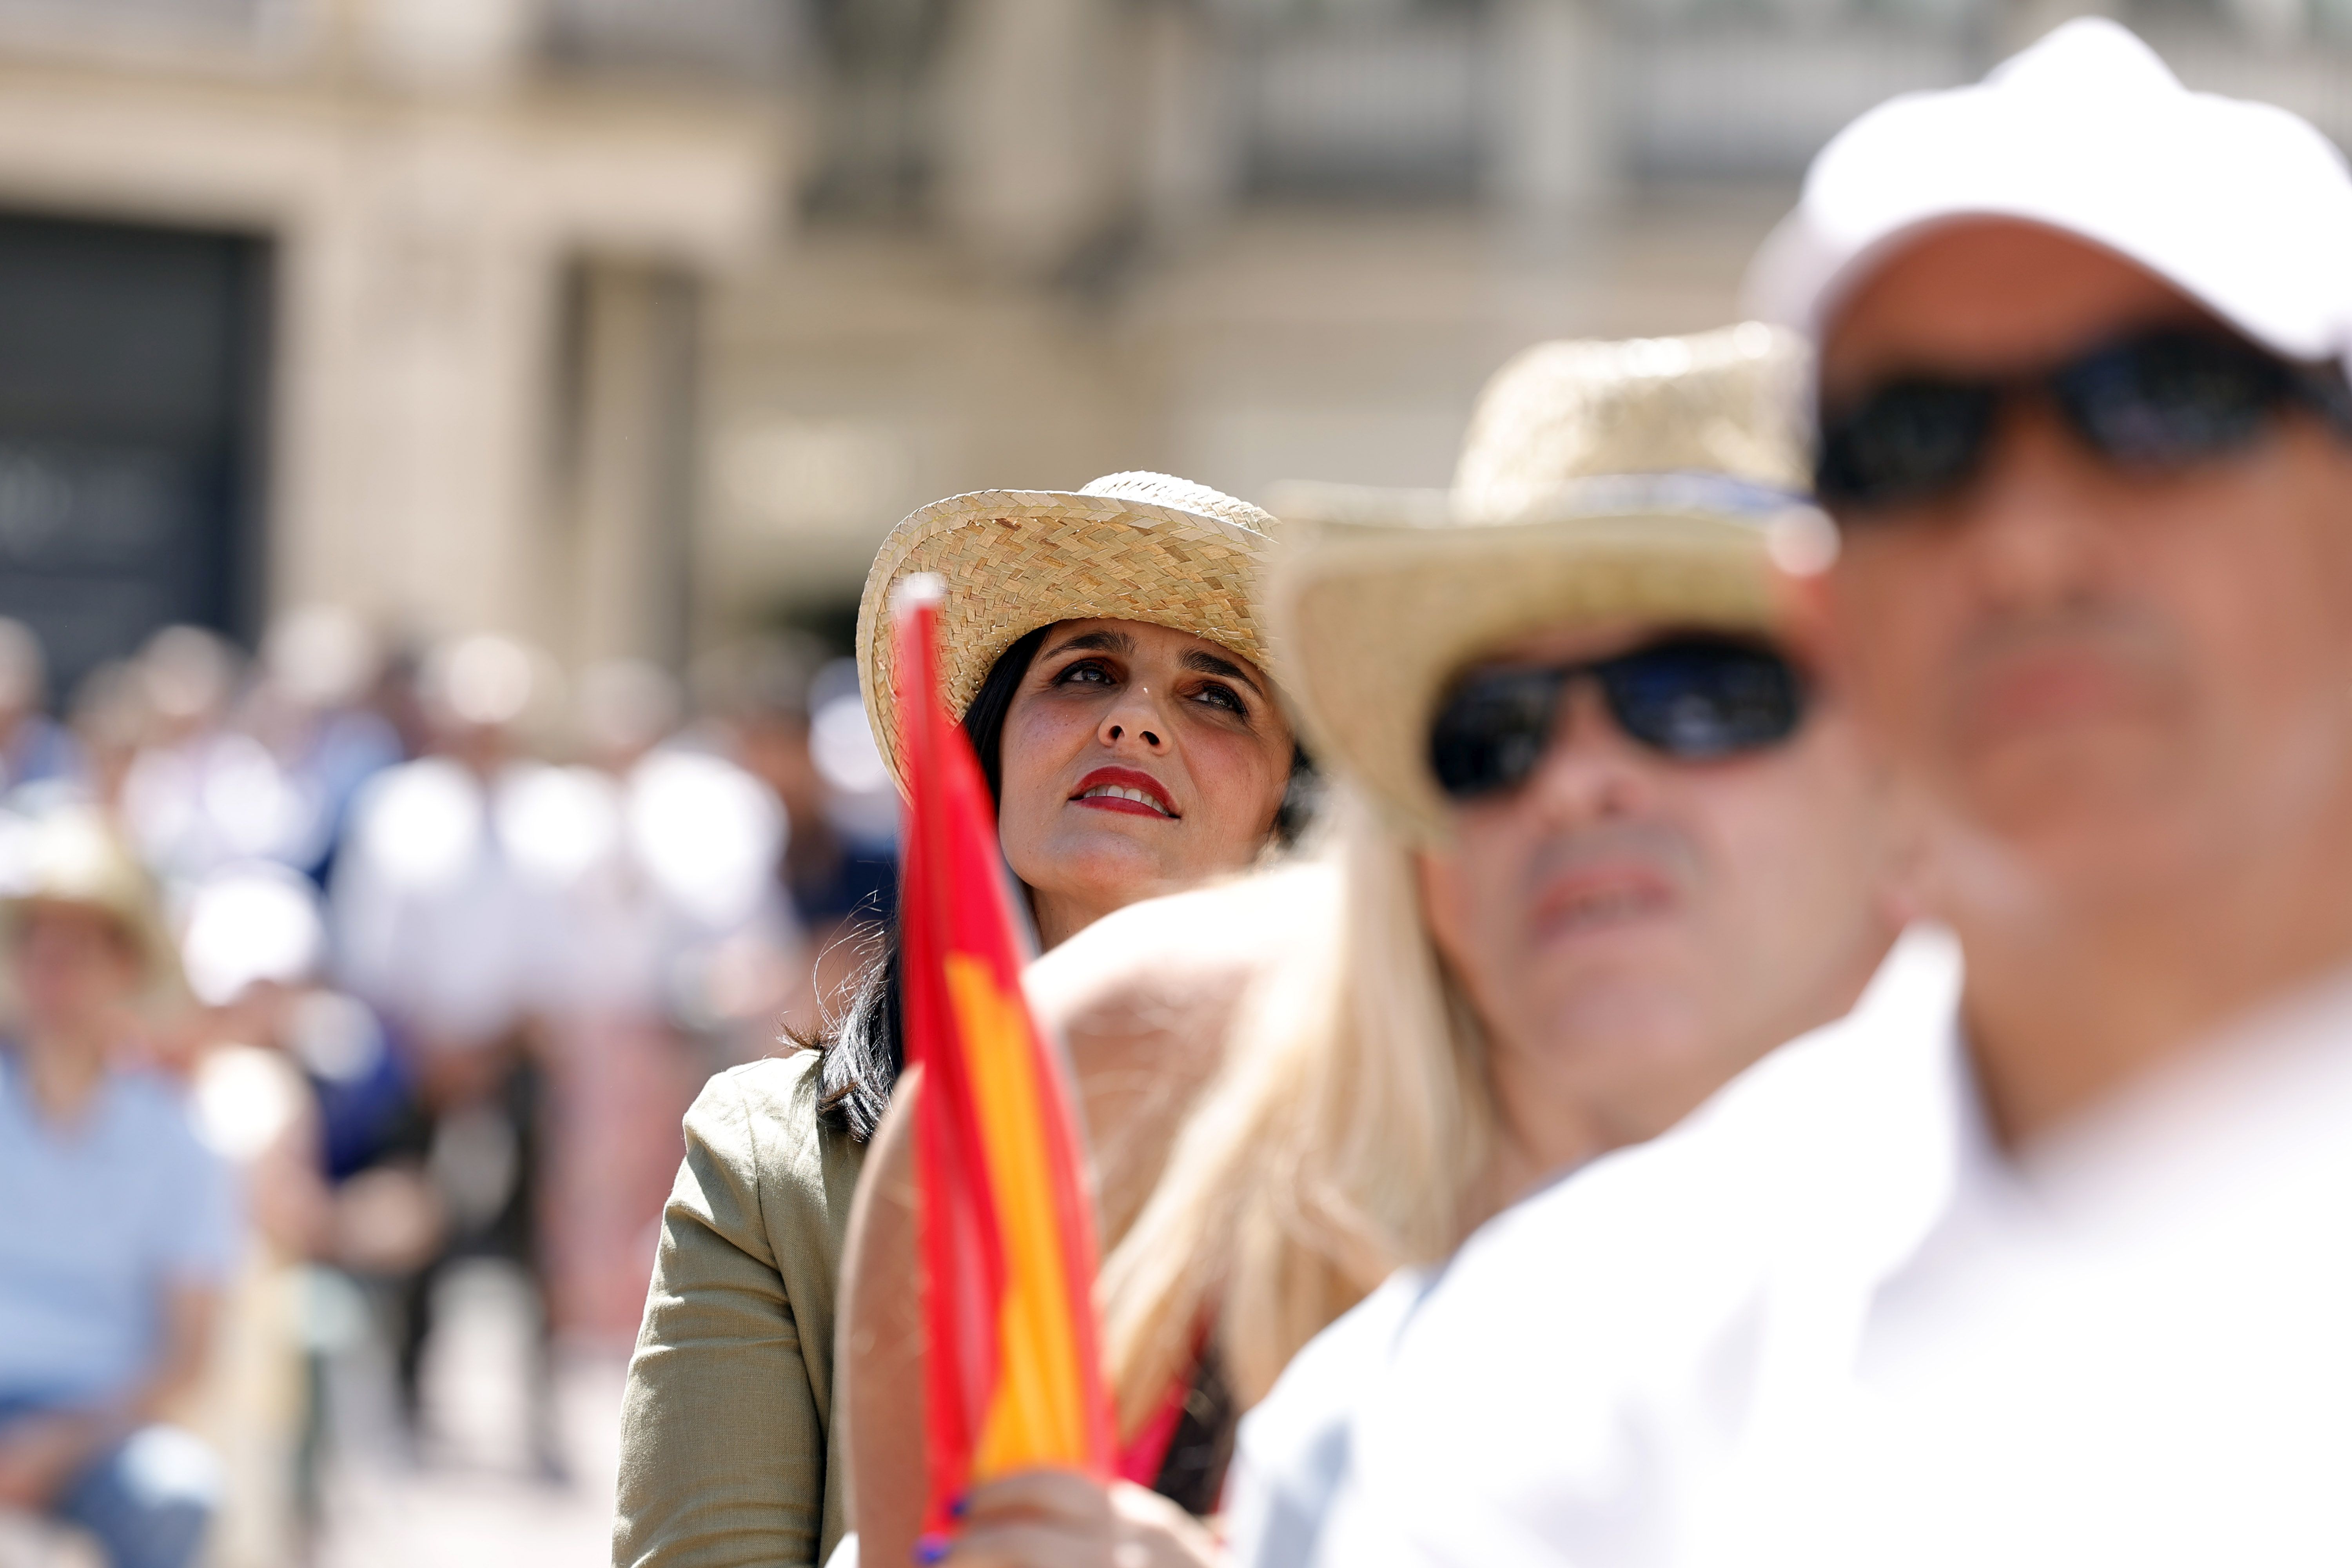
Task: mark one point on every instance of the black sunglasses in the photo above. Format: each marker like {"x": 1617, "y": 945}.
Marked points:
{"x": 2153, "y": 400}
{"x": 1690, "y": 698}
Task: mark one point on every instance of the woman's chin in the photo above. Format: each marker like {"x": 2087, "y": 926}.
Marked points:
{"x": 1109, "y": 864}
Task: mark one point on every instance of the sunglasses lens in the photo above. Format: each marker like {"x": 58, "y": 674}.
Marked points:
{"x": 1490, "y": 733}
{"x": 1693, "y": 698}
{"x": 1905, "y": 442}
{"x": 1696, "y": 700}
{"x": 2170, "y": 398}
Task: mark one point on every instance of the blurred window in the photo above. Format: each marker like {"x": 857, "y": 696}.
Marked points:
{"x": 129, "y": 408}
{"x": 746, "y": 40}
{"x": 1365, "y": 98}
{"x": 1734, "y": 89}
{"x": 206, "y": 21}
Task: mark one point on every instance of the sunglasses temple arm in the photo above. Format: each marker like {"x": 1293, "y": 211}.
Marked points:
{"x": 2329, "y": 391}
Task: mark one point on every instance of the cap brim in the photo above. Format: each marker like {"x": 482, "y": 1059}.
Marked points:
{"x": 1802, "y": 279}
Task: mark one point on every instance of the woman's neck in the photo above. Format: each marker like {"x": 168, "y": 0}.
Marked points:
{"x": 1061, "y": 916}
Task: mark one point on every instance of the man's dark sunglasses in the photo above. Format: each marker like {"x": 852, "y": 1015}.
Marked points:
{"x": 2155, "y": 400}
{"x": 1691, "y": 698}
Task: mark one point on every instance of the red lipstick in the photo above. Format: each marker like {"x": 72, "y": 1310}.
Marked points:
{"x": 1114, "y": 789}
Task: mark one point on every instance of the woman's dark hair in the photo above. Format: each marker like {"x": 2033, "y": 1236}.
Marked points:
{"x": 983, "y": 722}
{"x": 867, "y": 1051}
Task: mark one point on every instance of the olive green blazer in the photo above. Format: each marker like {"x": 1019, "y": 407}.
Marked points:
{"x": 729, "y": 1454}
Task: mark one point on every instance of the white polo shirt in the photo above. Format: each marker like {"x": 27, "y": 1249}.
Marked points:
{"x": 1725, "y": 1175}
{"x": 1830, "y": 1323}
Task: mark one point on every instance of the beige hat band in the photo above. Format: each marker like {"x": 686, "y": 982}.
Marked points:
{"x": 1597, "y": 496}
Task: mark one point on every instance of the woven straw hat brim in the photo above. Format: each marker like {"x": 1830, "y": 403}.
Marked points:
{"x": 1371, "y": 623}
{"x": 151, "y": 942}
{"x": 1017, "y": 560}
{"x": 70, "y": 857}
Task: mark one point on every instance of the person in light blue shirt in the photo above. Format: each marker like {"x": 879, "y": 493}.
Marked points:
{"x": 117, "y": 1227}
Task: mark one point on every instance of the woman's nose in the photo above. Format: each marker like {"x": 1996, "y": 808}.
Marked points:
{"x": 1136, "y": 716}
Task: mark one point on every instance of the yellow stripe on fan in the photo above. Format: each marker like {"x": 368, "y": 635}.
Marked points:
{"x": 1036, "y": 1416}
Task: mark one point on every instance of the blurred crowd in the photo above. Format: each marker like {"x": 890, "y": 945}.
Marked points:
{"x": 435, "y": 946}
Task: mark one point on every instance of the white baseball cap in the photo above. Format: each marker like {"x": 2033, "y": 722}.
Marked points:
{"x": 2242, "y": 206}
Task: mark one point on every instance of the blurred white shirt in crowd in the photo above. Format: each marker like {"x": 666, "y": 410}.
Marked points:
{"x": 1831, "y": 1321}
{"x": 222, "y": 796}
{"x": 461, "y": 908}
{"x": 436, "y": 920}
{"x": 652, "y": 873}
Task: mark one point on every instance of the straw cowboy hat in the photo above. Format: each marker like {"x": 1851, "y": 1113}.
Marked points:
{"x": 1129, "y": 547}
{"x": 70, "y": 854}
{"x": 1659, "y": 480}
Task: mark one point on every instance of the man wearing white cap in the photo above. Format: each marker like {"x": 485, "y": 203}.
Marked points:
{"x": 2065, "y": 1277}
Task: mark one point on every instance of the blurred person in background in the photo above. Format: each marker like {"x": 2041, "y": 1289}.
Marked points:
{"x": 793, "y": 722}
{"x": 1102, "y": 651}
{"x": 1604, "y": 842}
{"x": 229, "y": 772}
{"x": 119, "y": 1228}
{"x": 108, "y": 719}
{"x": 398, "y": 694}
{"x": 34, "y": 749}
{"x": 197, "y": 794}
{"x": 320, "y": 664}
{"x": 252, "y": 943}
{"x": 861, "y": 809}
{"x": 2057, "y": 1273}
{"x": 299, "y": 1082}
{"x": 255, "y": 946}
{"x": 442, "y": 925}
{"x": 669, "y": 960}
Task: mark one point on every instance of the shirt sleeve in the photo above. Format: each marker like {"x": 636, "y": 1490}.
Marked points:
{"x": 722, "y": 1445}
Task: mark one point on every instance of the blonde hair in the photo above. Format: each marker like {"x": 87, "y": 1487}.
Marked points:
{"x": 1340, "y": 1140}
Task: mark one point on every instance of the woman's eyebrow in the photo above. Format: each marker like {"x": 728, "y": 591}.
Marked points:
{"x": 1095, "y": 642}
{"x": 1204, "y": 662}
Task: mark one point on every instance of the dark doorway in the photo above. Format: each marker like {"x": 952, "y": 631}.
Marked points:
{"x": 132, "y": 414}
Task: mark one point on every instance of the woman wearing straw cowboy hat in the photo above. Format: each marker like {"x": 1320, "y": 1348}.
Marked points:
{"x": 1103, "y": 650}
{"x": 117, "y": 1227}
{"x": 1600, "y": 844}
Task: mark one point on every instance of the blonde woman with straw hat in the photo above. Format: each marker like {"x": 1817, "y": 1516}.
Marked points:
{"x": 1601, "y": 840}
{"x": 1103, "y": 650}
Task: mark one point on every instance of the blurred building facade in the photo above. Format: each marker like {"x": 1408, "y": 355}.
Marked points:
{"x": 623, "y": 324}
{"x": 1248, "y": 240}
{"x": 389, "y": 303}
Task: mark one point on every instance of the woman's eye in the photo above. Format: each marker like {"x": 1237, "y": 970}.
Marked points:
{"x": 1090, "y": 673}
{"x": 1223, "y": 697}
